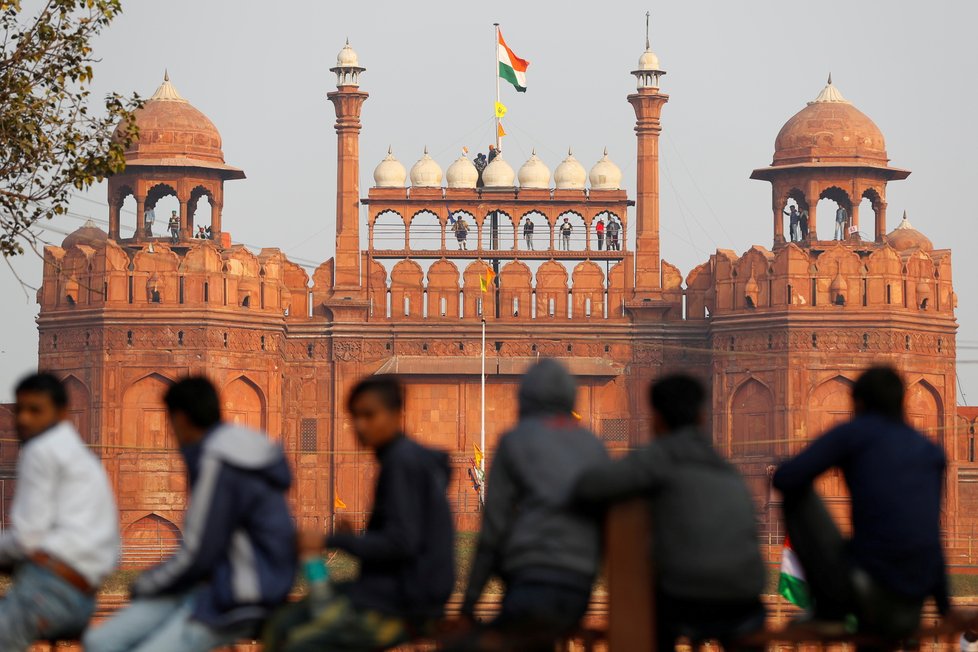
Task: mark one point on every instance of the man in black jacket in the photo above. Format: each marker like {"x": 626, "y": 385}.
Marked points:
{"x": 547, "y": 553}
{"x": 406, "y": 553}
{"x": 895, "y": 475}
{"x": 708, "y": 568}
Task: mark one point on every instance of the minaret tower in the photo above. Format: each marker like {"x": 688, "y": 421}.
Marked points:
{"x": 347, "y": 99}
{"x": 647, "y": 101}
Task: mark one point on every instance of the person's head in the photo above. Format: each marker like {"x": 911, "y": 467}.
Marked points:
{"x": 566, "y": 219}
{"x": 677, "y": 402}
{"x": 173, "y": 213}
{"x": 41, "y": 402}
{"x": 492, "y": 148}
{"x": 376, "y": 405}
{"x": 194, "y": 408}
{"x": 879, "y": 390}
{"x": 547, "y": 389}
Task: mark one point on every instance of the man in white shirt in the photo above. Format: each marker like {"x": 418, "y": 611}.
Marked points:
{"x": 149, "y": 217}
{"x": 64, "y": 534}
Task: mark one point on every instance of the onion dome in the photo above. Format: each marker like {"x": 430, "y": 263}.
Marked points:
{"x": 171, "y": 130}
{"x": 389, "y": 173}
{"x": 649, "y": 61}
{"x": 89, "y": 235}
{"x": 426, "y": 173}
{"x": 462, "y": 173}
{"x": 534, "y": 173}
{"x": 830, "y": 130}
{"x": 347, "y": 58}
{"x": 751, "y": 290}
{"x": 570, "y": 174}
{"x": 839, "y": 285}
{"x": 605, "y": 175}
{"x": 905, "y": 237}
{"x": 499, "y": 174}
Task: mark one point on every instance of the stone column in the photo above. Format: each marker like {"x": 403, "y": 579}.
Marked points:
{"x": 186, "y": 228}
{"x": 347, "y": 101}
{"x": 881, "y": 222}
{"x": 140, "y": 217}
{"x": 854, "y": 221}
{"x": 215, "y": 218}
{"x": 115, "y": 208}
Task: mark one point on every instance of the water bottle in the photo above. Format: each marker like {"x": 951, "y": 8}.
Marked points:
{"x": 317, "y": 576}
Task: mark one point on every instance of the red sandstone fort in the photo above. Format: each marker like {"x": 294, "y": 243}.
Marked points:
{"x": 779, "y": 332}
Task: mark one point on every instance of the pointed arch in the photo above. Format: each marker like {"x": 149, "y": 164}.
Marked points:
{"x": 752, "y": 420}
{"x": 925, "y": 409}
{"x": 148, "y": 540}
{"x": 244, "y": 403}
{"x": 79, "y": 407}
{"x": 830, "y": 403}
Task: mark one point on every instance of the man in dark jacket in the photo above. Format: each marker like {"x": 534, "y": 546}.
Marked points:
{"x": 708, "y": 568}
{"x": 406, "y": 554}
{"x": 895, "y": 477}
{"x": 237, "y": 560}
{"x": 547, "y": 553}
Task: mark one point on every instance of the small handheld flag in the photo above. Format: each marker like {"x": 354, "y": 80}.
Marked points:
{"x": 791, "y": 584}
{"x": 338, "y": 502}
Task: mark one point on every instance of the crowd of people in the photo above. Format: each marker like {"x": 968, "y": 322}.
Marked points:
{"x": 549, "y": 486}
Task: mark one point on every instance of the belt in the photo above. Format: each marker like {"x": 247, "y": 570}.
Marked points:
{"x": 62, "y": 570}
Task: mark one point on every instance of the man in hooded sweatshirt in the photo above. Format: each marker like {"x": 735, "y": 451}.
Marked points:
{"x": 407, "y": 565}
{"x": 547, "y": 553}
{"x": 238, "y": 556}
{"x": 709, "y": 571}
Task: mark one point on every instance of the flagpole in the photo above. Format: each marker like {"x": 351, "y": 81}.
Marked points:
{"x": 482, "y": 433}
{"x": 495, "y": 74}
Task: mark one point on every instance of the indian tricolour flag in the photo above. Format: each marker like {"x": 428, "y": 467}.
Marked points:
{"x": 792, "y": 584}
{"x": 511, "y": 67}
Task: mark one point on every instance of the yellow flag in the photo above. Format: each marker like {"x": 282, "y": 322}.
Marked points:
{"x": 478, "y": 456}
{"x": 500, "y": 109}
{"x": 486, "y": 281}
{"x": 338, "y": 502}
{"x": 576, "y": 416}
{"x": 500, "y": 131}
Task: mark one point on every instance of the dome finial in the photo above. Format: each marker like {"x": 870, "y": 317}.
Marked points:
{"x": 533, "y": 152}
{"x": 570, "y": 152}
{"x": 830, "y": 79}
{"x": 648, "y": 44}
{"x": 166, "y": 74}
{"x": 605, "y": 150}
{"x": 425, "y": 149}
{"x": 390, "y": 149}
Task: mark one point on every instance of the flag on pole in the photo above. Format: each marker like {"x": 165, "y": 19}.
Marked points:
{"x": 792, "y": 584}
{"x": 500, "y": 110}
{"x": 338, "y": 502}
{"x": 499, "y": 130}
{"x": 486, "y": 281}
{"x": 511, "y": 67}
{"x": 478, "y": 455}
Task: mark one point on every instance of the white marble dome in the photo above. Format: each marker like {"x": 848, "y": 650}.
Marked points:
{"x": 462, "y": 173}
{"x": 347, "y": 58}
{"x": 389, "y": 173}
{"x": 426, "y": 173}
{"x": 570, "y": 174}
{"x": 534, "y": 173}
{"x": 648, "y": 61}
{"x": 498, "y": 174}
{"x": 605, "y": 175}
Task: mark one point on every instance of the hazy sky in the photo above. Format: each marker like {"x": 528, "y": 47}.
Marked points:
{"x": 736, "y": 72}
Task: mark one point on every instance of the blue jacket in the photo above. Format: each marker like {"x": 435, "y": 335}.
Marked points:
{"x": 238, "y": 547}
{"x": 896, "y": 479}
{"x": 407, "y": 565}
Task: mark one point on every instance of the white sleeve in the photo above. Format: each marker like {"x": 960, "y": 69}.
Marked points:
{"x": 33, "y": 511}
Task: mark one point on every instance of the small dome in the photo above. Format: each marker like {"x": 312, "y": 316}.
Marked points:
{"x": 830, "y": 129}
{"x": 838, "y": 283}
{"x": 462, "y": 173}
{"x": 389, "y": 173}
{"x": 347, "y": 58}
{"x": 605, "y": 175}
{"x": 534, "y": 173}
{"x": 499, "y": 174}
{"x": 649, "y": 62}
{"x": 88, "y": 234}
{"x": 426, "y": 173}
{"x": 905, "y": 237}
{"x": 570, "y": 174}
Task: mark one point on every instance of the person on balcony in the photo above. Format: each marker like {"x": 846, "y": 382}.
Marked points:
{"x": 174, "y": 226}
{"x": 407, "y": 566}
{"x": 149, "y": 218}
{"x": 566, "y": 229}
{"x": 613, "y": 233}
{"x": 709, "y": 573}
{"x": 461, "y": 229}
{"x": 803, "y": 223}
{"x": 528, "y": 233}
{"x": 794, "y": 228}
{"x": 237, "y": 560}
{"x": 63, "y": 538}
{"x": 841, "y": 221}
{"x": 877, "y": 581}
{"x": 599, "y": 231}
{"x": 547, "y": 553}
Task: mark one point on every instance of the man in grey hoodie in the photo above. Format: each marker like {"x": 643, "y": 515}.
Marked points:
{"x": 708, "y": 568}
{"x": 547, "y": 553}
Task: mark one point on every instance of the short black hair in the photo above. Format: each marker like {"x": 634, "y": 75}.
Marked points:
{"x": 880, "y": 390}
{"x": 45, "y": 383}
{"x": 386, "y": 387}
{"x": 197, "y": 398}
{"x": 678, "y": 399}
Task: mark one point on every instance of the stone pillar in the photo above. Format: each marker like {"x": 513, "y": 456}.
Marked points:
{"x": 140, "y": 217}
{"x": 215, "y": 218}
{"x": 347, "y": 101}
{"x": 778, "y": 221}
{"x": 854, "y": 221}
{"x": 881, "y": 222}
{"x": 115, "y": 209}
{"x": 648, "y": 103}
{"x": 811, "y": 196}
{"x": 186, "y": 228}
